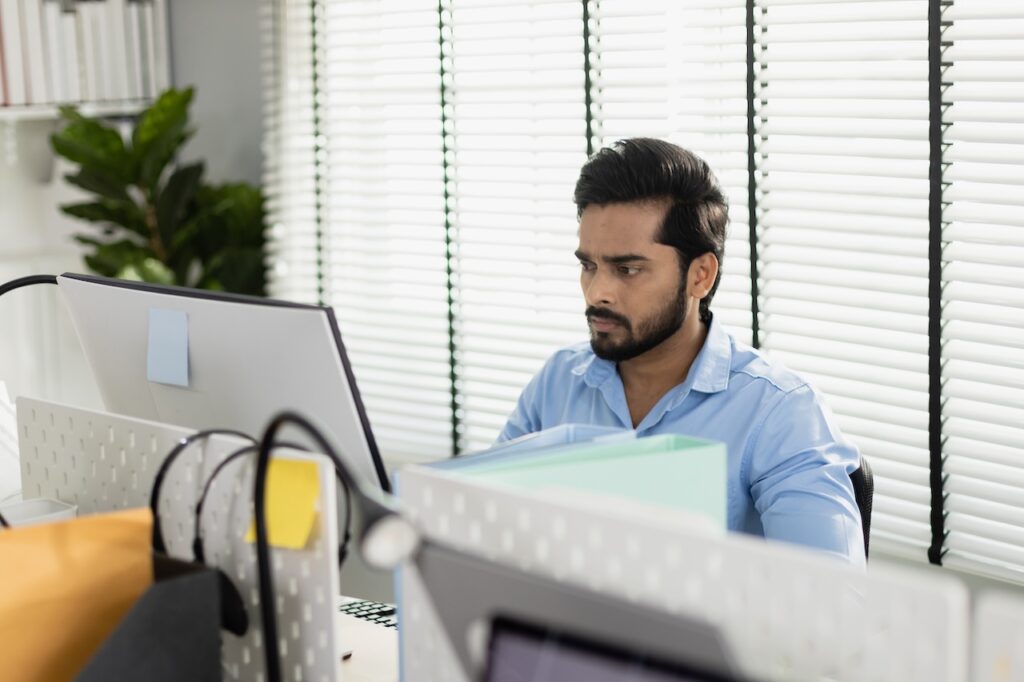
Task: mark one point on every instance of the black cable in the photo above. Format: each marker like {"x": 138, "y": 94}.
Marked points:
{"x": 3, "y": 522}
{"x": 27, "y": 281}
{"x": 268, "y": 614}
{"x": 198, "y": 547}
{"x": 197, "y": 543}
{"x": 158, "y": 481}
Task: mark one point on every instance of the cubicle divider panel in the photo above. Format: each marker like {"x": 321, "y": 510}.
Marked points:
{"x": 104, "y": 462}
{"x": 786, "y": 613}
{"x": 998, "y": 652}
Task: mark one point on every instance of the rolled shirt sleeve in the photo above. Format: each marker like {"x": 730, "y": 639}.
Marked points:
{"x": 799, "y": 469}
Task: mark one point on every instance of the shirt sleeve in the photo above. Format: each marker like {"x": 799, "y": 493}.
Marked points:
{"x": 799, "y": 474}
{"x": 525, "y": 418}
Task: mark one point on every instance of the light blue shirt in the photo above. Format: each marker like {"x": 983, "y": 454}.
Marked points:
{"x": 788, "y": 464}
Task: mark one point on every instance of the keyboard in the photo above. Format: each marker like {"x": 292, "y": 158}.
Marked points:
{"x": 373, "y": 611}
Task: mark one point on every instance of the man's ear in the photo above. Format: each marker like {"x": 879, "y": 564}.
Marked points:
{"x": 701, "y": 275}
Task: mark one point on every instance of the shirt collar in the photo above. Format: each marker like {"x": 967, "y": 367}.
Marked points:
{"x": 708, "y": 374}
{"x": 594, "y": 370}
{"x": 711, "y": 367}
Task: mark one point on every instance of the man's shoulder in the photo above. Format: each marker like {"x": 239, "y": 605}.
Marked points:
{"x": 753, "y": 368}
{"x": 570, "y": 360}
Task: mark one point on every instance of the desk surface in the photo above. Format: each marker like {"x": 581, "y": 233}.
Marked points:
{"x": 374, "y": 650}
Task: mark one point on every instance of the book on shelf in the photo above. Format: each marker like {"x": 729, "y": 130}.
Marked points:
{"x": 72, "y": 51}
{"x": 88, "y": 51}
{"x": 54, "y": 39}
{"x": 37, "y": 86}
{"x": 162, "y": 53}
{"x": 14, "y": 64}
{"x": 72, "y": 65}
{"x": 134, "y": 47}
{"x": 3, "y": 68}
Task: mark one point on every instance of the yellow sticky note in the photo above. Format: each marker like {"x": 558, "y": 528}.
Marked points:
{"x": 293, "y": 488}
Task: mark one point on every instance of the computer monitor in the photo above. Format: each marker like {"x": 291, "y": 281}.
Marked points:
{"x": 233, "y": 362}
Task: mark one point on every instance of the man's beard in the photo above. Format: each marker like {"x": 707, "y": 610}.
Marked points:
{"x": 649, "y": 334}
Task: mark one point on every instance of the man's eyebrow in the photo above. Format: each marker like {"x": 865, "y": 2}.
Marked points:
{"x": 615, "y": 260}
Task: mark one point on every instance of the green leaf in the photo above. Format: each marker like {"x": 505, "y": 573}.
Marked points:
{"x": 156, "y": 157}
{"x": 110, "y": 258}
{"x": 100, "y": 266}
{"x": 169, "y": 111}
{"x": 230, "y": 215}
{"x": 94, "y": 181}
{"x": 241, "y": 270}
{"x": 125, "y": 214}
{"x": 147, "y": 270}
{"x": 185, "y": 237}
{"x": 172, "y": 206}
{"x": 160, "y": 132}
{"x": 95, "y": 146}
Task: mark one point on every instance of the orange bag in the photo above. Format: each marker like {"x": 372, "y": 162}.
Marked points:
{"x": 64, "y": 587}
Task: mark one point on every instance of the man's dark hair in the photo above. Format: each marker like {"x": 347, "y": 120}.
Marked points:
{"x": 645, "y": 169}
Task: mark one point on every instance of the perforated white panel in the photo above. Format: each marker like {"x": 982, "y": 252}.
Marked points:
{"x": 998, "y": 651}
{"x": 103, "y": 462}
{"x": 787, "y": 613}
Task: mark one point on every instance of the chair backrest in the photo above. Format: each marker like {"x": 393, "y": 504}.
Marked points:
{"x": 864, "y": 490}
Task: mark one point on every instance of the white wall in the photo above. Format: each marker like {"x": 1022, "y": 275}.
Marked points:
{"x": 215, "y": 46}
{"x": 39, "y": 352}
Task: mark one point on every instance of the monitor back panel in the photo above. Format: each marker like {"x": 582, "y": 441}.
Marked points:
{"x": 247, "y": 361}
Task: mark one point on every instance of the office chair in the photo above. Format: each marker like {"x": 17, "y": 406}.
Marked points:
{"x": 863, "y": 491}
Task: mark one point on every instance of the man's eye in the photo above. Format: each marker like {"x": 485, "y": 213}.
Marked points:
{"x": 629, "y": 270}
{"x": 586, "y": 266}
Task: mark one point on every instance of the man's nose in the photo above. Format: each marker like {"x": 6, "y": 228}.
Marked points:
{"x": 600, "y": 289}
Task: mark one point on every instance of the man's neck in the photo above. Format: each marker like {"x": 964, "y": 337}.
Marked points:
{"x": 648, "y": 377}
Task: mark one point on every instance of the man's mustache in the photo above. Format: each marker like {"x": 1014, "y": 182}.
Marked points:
{"x": 606, "y": 314}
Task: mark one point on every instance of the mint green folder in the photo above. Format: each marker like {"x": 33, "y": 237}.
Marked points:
{"x": 678, "y": 472}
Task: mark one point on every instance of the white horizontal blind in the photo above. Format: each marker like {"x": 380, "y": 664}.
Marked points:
{"x": 842, "y": 161}
{"x": 983, "y": 288}
{"x": 290, "y": 166}
{"x": 516, "y": 137}
{"x": 677, "y": 71}
{"x": 383, "y": 215}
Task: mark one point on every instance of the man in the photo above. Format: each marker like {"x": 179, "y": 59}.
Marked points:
{"x": 652, "y": 228}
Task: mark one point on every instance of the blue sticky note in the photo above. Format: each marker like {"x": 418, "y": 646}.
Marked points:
{"x": 167, "y": 352}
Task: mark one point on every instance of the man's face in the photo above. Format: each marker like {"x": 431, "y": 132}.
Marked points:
{"x": 633, "y": 286}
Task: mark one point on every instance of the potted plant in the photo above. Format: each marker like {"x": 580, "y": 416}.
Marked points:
{"x": 155, "y": 220}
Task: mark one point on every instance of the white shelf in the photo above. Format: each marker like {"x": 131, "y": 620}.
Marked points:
{"x": 50, "y": 112}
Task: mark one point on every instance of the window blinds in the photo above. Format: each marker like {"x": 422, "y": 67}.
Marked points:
{"x": 290, "y": 165}
{"x": 842, "y": 176}
{"x": 517, "y": 137}
{"x": 983, "y": 303}
{"x": 383, "y": 215}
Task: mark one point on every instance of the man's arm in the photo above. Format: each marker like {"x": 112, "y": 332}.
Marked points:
{"x": 799, "y": 475}
{"x": 525, "y": 418}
